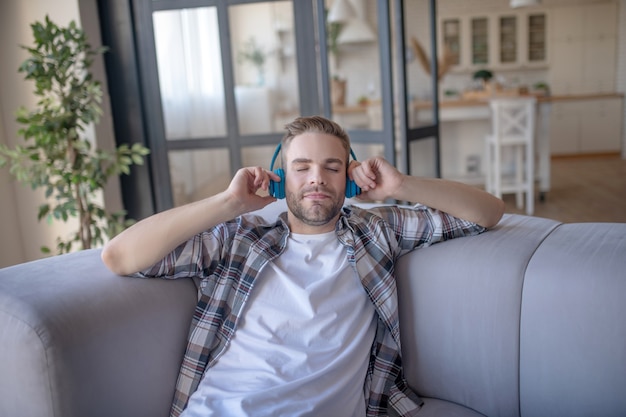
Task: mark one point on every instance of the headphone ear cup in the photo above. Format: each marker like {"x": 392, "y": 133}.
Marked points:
{"x": 352, "y": 190}
{"x": 277, "y": 189}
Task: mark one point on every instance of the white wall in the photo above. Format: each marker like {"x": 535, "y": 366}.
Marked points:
{"x": 11, "y": 246}
{"x": 15, "y": 20}
{"x": 22, "y": 235}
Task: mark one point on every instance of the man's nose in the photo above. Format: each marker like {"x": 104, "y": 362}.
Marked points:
{"x": 317, "y": 176}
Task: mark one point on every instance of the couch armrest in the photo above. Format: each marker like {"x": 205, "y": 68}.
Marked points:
{"x": 77, "y": 340}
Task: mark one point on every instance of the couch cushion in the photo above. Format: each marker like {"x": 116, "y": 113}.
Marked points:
{"x": 459, "y": 315}
{"x": 573, "y": 328}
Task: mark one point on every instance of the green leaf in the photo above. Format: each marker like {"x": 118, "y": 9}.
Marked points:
{"x": 44, "y": 209}
{"x": 57, "y": 155}
{"x": 137, "y": 159}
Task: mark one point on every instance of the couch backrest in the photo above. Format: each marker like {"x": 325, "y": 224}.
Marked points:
{"x": 527, "y": 319}
{"x": 460, "y": 305}
{"x": 573, "y": 324}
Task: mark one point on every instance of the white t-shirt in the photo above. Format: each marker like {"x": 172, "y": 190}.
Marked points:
{"x": 303, "y": 345}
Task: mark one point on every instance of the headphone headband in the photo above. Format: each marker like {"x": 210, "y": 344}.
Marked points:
{"x": 276, "y": 152}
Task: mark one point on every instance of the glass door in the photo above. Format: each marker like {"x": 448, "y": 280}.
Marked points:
{"x": 223, "y": 76}
{"x": 218, "y": 80}
{"x": 420, "y": 71}
{"x": 356, "y": 67}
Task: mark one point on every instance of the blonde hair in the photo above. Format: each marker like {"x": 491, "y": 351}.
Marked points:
{"x": 315, "y": 124}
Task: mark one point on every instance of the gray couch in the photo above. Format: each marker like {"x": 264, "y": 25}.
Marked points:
{"x": 528, "y": 319}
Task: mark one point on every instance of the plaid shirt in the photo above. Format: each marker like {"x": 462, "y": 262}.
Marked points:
{"x": 229, "y": 257}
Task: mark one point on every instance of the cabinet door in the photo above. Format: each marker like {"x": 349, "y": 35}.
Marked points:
{"x": 601, "y": 126}
{"x": 508, "y": 40}
{"x": 479, "y": 33}
{"x": 450, "y": 39}
{"x": 564, "y": 128}
{"x": 584, "y": 41}
{"x": 567, "y": 23}
{"x": 467, "y": 39}
{"x": 520, "y": 40}
{"x": 566, "y": 67}
{"x": 536, "y": 44}
{"x": 599, "y": 20}
{"x": 598, "y": 65}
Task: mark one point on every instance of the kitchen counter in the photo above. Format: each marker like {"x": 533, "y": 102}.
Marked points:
{"x": 464, "y": 102}
{"x": 464, "y": 122}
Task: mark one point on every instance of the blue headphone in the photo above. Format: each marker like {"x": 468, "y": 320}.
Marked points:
{"x": 277, "y": 189}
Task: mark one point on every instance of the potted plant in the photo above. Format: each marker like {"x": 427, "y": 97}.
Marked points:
{"x": 338, "y": 91}
{"x": 333, "y": 30}
{"x": 542, "y": 88}
{"x": 56, "y": 155}
{"x": 484, "y": 76}
{"x": 256, "y": 56}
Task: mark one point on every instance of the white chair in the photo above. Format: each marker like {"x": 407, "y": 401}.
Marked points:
{"x": 513, "y": 127}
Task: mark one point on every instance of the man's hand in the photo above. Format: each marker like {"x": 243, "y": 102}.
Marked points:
{"x": 379, "y": 181}
{"x": 244, "y": 187}
{"x": 149, "y": 240}
{"x": 377, "y": 178}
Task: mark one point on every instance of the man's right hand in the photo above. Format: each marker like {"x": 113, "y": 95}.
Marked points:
{"x": 149, "y": 240}
{"x": 244, "y": 187}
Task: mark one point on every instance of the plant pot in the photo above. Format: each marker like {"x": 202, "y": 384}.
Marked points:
{"x": 338, "y": 92}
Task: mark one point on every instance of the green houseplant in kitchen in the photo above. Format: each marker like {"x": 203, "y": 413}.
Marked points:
{"x": 484, "y": 75}
{"x": 56, "y": 154}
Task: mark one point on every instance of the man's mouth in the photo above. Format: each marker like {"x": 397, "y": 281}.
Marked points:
{"x": 315, "y": 195}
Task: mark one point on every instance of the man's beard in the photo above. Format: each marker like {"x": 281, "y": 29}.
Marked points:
{"x": 316, "y": 214}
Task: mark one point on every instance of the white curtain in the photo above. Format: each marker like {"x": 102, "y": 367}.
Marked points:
{"x": 190, "y": 72}
{"x": 192, "y": 95}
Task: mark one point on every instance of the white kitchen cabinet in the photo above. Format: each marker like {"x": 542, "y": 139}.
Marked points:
{"x": 601, "y": 126}
{"x": 522, "y": 40}
{"x": 566, "y": 69}
{"x": 507, "y": 41}
{"x": 450, "y": 39}
{"x": 504, "y": 40}
{"x": 479, "y": 41}
{"x": 586, "y": 126}
{"x": 564, "y": 129}
{"x": 567, "y": 23}
{"x": 600, "y": 20}
{"x": 599, "y": 63}
{"x": 583, "y": 48}
{"x": 454, "y": 38}
{"x": 536, "y": 52}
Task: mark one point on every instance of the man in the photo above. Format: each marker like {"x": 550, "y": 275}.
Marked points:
{"x": 299, "y": 317}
